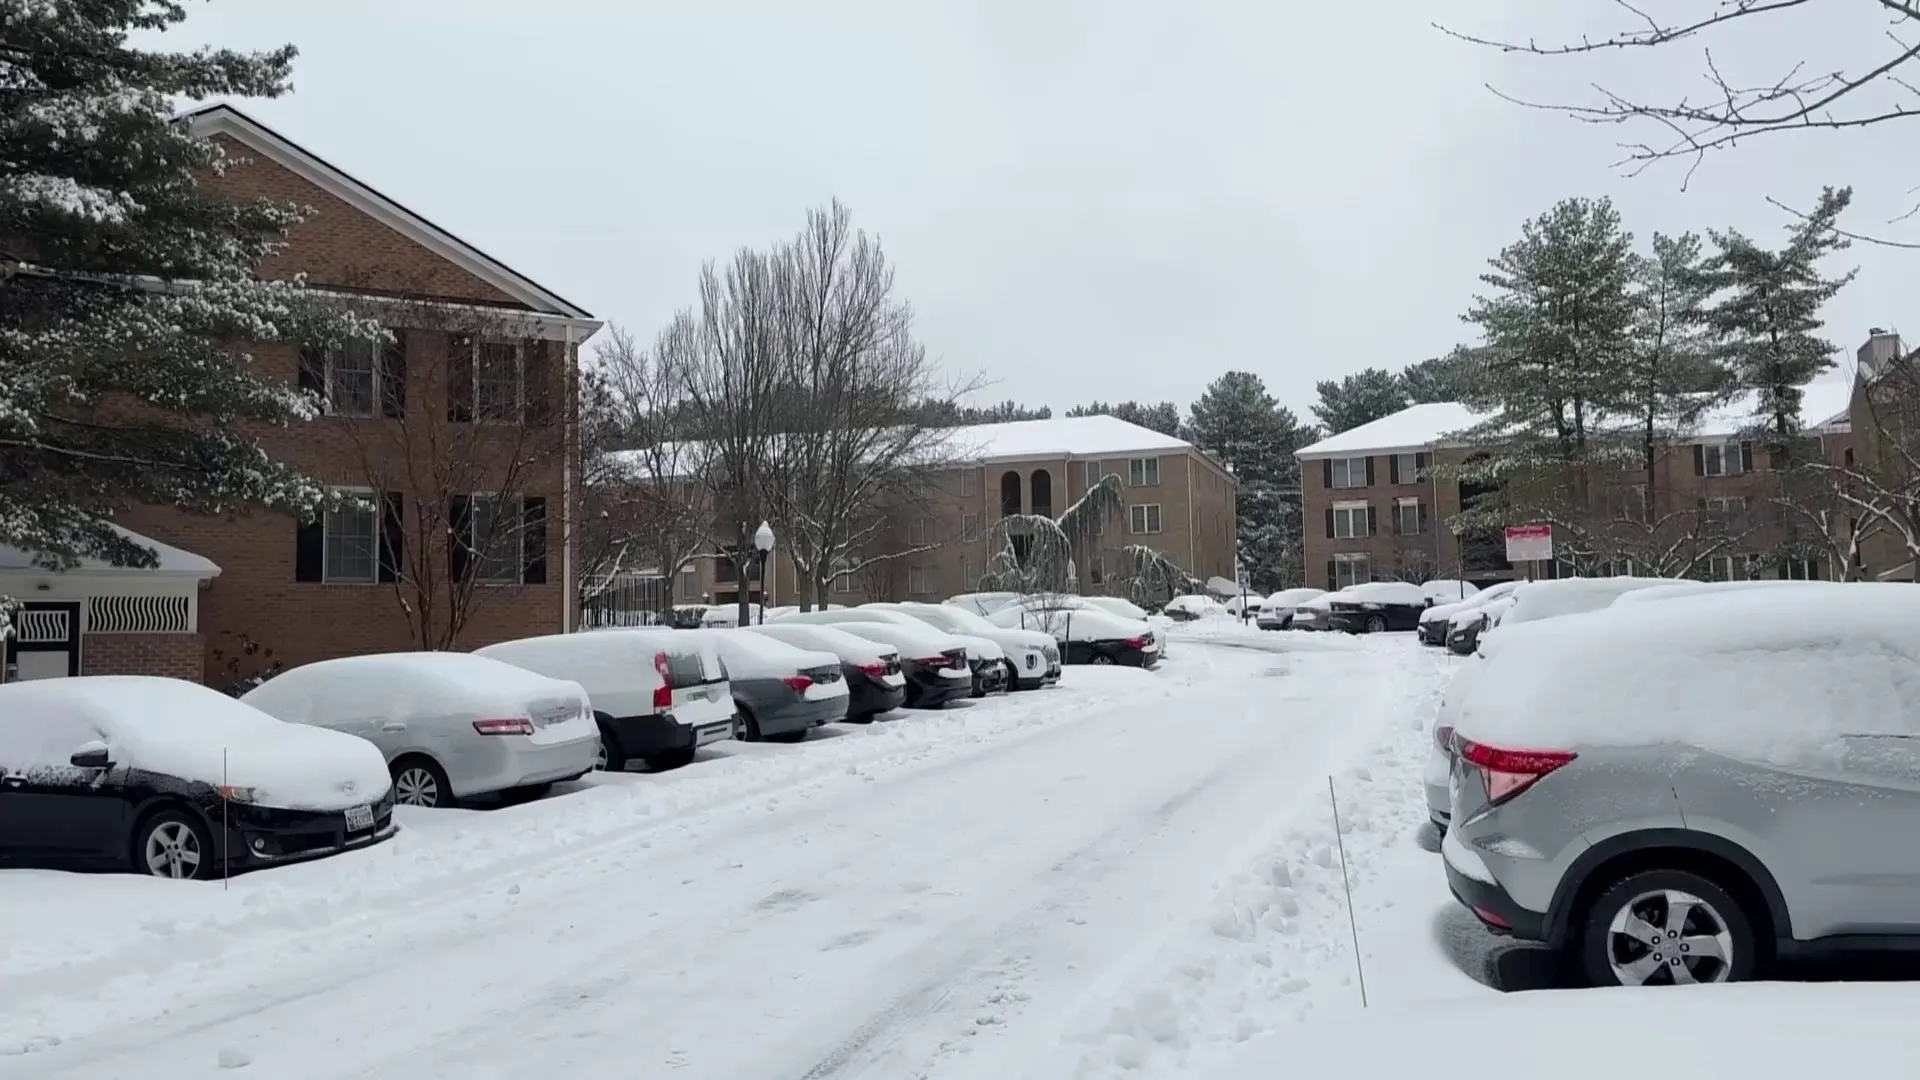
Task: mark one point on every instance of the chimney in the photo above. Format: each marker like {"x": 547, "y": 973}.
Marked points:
{"x": 1881, "y": 346}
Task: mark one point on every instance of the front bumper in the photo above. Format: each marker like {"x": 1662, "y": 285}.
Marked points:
{"x": 1433, "y": 632}
{"x": 989, "y": 677}
{"x": 1496, "y": 910}
{"x": 267, "y": 836}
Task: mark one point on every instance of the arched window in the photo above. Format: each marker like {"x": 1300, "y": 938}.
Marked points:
{"x": 1009, "y": 493}
{"x": 1042, "y": 487}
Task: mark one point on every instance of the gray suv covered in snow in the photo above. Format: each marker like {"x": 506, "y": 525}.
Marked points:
{"x": 1684, "y": 791}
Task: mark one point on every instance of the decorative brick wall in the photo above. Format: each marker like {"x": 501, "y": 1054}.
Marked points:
{"x": 180, "y": 656}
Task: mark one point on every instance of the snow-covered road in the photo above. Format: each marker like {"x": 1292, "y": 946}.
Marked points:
{"x": 1007, "y": 891}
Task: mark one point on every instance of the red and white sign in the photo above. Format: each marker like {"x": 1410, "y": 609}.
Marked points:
{"x": 1529, "y": 543}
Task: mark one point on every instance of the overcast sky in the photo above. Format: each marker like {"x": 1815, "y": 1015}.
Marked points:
{"x": 1085, "y": 198}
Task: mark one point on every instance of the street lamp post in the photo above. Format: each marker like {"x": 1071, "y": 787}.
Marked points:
{"x": 763, "y": 543}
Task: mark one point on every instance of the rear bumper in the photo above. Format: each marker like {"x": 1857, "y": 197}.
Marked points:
{"x": 866, "y": 697}
{"x": 801, "y": 716}
{"x": 1491, "y": 904}
{"x": 1276, "y": 622}
{"x": 659, "y": 733}
{"x": 930, "y": 690}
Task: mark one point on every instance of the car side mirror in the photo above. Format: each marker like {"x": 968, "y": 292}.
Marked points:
{"x": 93, "y": 755}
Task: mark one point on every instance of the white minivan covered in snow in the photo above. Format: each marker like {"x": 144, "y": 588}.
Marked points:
{"x": 658, "y": 695}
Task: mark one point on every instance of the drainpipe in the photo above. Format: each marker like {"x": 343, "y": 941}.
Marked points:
{"x": 570, "y": 450}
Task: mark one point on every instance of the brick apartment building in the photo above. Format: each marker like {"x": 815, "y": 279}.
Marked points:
{"x": 482, "y": 371}
{"x": 1179, "y": 501}
{"x": 1377, "y": 509}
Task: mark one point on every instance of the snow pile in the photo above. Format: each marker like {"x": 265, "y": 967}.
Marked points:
{"x": 1197, "y": 606}
{"x": 1676, "y": 590}
{"x": 1766, "y": 1031}
{"x": 1775, "y": 675}
{"x": 185, "y": 730}
{"x": 755, "y": 656}
{"x": 1536, "y": 600}
{"x": 850, "y": 648}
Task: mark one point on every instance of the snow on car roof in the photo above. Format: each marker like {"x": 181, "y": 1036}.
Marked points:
{"x": 1422, "y": 427}
{"x": 850, "y": 648}
{"x": 1385, "y": 592}
{"x": 468, "y": 671}
{"x": 186, "y": 730}
{"x": 610, "y": 657}
{"x": 1764, "y": 674}
{"x": 1536, "y": 600}
{"x": 1677, "y": 589}
{"x": 914, "y": 636}
{"x": 757, "y": 656}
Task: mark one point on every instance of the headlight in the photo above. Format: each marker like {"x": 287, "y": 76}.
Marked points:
{"x": 232, "y": 793}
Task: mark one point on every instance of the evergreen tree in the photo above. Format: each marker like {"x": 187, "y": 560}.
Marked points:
{"x": 1163, "y": 416}
{"x": 124, "y": 284}
{"x": 1554, "y": 331}
{"x": 1360, "y": 398}
{"x": 1769, "y": 316}
{"x": 1238, "y": 422}
{"x": 1443, "y": 378}
{"x": 1668, "y": 374}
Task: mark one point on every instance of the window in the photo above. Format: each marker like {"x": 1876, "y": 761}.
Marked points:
{"x": 1627, "y": 500}
{"x": 1095, "y": 473}
{"x": 1726, "y": 504}
{"x": 689, "y": 582}
{"x": 499, "y": 390}
{"x": 1349, "y": 472}
{"x": 1350, "y": 521}
{"x": 966, "y": 575}
{"x": 843, "y": 582}
{"x": 1409, "y": 519}
{"x": 969, "y": 481}
{"x": 1409, "y": 468}
{"x": 497, "y": 539}
{"x": 1144, "y": 472}
{"x": 352, "y": 542}
{"x": 1146, "y": 518}
{"x": 1346, "y": 570}
{"x": 362, "y": 378}
{"x": 1613, "y": 568}
{"x": 919, "y": 580}
{"x": 970, "y": 527}
{"x": 1800, "y": 570}
{"x": 1729, "y": 568}
{"x": 1097, "y": 570}
{"x": 917, "y": 531}
{"x": 351, "y": 374}
{"x": 1723, "y": 459}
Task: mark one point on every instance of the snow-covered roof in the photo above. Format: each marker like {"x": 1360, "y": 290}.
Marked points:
{"x": 173, "y": 561}
{"x": 1423, "y": 427}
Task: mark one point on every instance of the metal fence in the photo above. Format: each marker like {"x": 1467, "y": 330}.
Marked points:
{"x": 627, "y": 600}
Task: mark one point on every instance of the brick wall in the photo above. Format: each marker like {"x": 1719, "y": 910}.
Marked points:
{"x": 178, "y": 656}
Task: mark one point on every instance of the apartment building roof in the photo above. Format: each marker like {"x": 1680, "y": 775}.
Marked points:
{"x": 1422, "y": 427}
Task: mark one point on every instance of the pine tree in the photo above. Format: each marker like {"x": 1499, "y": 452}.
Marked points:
{"x": 1359, "y": 398}
{"x": 1162, "y": 416}
{"x": 1770, "y": 314}
{"x": 124, "y": 283}
{"x": 1442, "y": 378}
{"x": 1669, "y": 377}
{"x": 1554, "y": 331}
{"x": 1238, "y": 422}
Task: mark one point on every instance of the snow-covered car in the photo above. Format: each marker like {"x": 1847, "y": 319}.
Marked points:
{"x": 1676, "y": 590}
{"x": 1277, "y": 610}
{"x": 875, "y": 683}
{"x": 1679, "y": 792}
{"x": 1117, "y": 605}
{"x": 169, "y": 778}
{"x": 450, "y": 725}
{"x": 983, "y": 603}
{"x": 1376, "y": 607}
{"x": 985, "y": 657}
{"x": 717, "y": 616}
{"x": 1448, "y": 590}
{"x": 658, "y": 695}
{"x": 1033, "y": 658}
{"x": 1434, "y": 621}
{"x": 781, "y": 692}
{"x": 1190, "y": 607}
{"x": 934, "y": 663}
{"x": 1314, "y": 613}
{"x": 1089, "y": 635}
{"x": 1466, "y": 628}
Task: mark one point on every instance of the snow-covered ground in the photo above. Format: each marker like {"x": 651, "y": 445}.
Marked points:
{"x": 1135, "y": 874}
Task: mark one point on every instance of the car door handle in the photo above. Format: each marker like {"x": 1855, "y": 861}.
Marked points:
{"x": 394, "y": 725}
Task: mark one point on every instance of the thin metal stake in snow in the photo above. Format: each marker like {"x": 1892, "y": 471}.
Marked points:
{"x": 226, "y": 783}
{"x": 1353, "y": 922}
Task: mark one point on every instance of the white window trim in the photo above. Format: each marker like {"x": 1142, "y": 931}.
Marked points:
{"x": 917, "y": 531}
{"x": 326, "y": 537}
{"x": 1348, "y": 462}
{"x": 1726, "y": 504}
{"x": 1402, "y": 503}
{"x": 1092, "y": 472}
{"x": 968, "y": 482}
{"x": 1349, "y": 509}
{"x": 1409, "y": 468}
{"x": 1138, "y": 519}
{"x": 970, "y": 527}
{"x": 1352, "y": 558}
{"x": 919, "y": 580}
{"x": 329, "y": 365}
{"x": 520, "y": 382}
{"x": 1730, "y": 453}
{"x": 1145, "y": 463}
{"x": 476, "y": 559}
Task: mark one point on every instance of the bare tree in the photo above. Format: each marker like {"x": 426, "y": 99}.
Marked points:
{"x": 1880, "y": 487}
{"x": 645, "y": 507}
{"x": 1735, "y": 109}
{"x": 1821, "y": 521}
{"x": 462, "y": 471}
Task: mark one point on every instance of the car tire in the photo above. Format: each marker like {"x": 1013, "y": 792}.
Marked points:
{"x": 1013, "y": 677}
{"x": 749, "y": 727}
{"x": 791, "y": 736}
{"x": 1610, "y": 955}
{"x": 1376, "y": 625}
{"x": 1100, "y": 658}
{"x": 863, "y": 718}
{"x": 611, "y": 758}
{"x": 420, "y": 781}
{"x": 670, "y": 759}
{"x": 173, "y": 843}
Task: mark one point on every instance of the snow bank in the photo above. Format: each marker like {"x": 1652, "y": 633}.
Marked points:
{"x": 1761, "y": 1031}
{"x": 850, "y": 648}
{"x": 184, "y": 729}
{"x": 756, "y": 656}
{"x": 1773, "y": 675}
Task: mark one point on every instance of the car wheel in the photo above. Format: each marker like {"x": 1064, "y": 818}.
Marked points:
{"x": 1100, "y": 658}
{"x": 1376, "y": 625}
{"x": 173, "y": 844}
{"x": 417, "y": 781}
{"x": 791, "y": 736}
{"x": 1013, "y": 677}
{"x": 670, "y": 759}
{"x": 863, "y": 718}
{"x": 1662, "y": 927}
{"x": 749, "y": 727}
{"x": 609, "y": 757}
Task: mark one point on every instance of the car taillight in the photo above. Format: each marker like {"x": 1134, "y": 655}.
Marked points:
{"x": 1507, "y": 773}
{"x": 662, "y": 694}
{"x": 1443, "y": 738}
{"x": 1137, "y": 642}
{"x": 875, "y": 670}
{"x": 505, "y": 725}
{"x": 797, "y": 683}
{"x": 934, "y": 661}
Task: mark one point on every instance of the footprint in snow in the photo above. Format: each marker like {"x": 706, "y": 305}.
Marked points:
{"x": 850, "y": 941}
{"x": 785, "y": 900}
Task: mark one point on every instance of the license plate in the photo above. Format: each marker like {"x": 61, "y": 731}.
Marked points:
{"x": 359, "y": 818}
